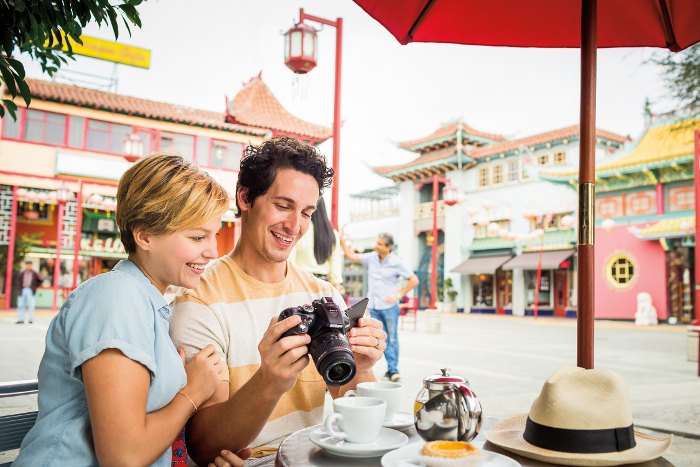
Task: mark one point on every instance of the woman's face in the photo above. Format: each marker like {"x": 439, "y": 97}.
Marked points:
{"x": 179, "y": 258}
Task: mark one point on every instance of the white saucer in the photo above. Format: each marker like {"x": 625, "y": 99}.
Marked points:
{"x": 401, "y": 421}
{"x": 385, "y": 442}
{"x": 409, "y": 456}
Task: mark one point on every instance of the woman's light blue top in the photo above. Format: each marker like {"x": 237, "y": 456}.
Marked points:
{"x": 121, "y": 310}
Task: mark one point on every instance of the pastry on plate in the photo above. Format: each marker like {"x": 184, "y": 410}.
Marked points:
{"x": 450, "y": 454}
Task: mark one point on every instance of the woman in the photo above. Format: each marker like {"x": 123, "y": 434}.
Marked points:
{"x": 319, "y": 250}
{"x": 113, "y": 390}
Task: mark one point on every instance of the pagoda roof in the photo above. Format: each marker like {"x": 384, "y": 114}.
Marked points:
{"x": 663, "y": 144}
{"x": 111, "y": 102}
{"x": 445, "y": 158}
{"x": 666, "y": 228}
{"x": 448, "y": 133}
{"x": 256, "y": 105}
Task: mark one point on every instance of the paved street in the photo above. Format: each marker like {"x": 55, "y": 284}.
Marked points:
{"x": 506, "y": 360}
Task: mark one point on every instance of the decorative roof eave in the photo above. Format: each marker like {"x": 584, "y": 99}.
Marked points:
{"x": 420, "y": 171}
{"x": 467, "y": 139}
{"x": 667, "y": 228}
{"x": 544, "y": 145}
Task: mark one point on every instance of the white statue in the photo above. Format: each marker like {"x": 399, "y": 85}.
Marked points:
{"x": 646, "y": 313}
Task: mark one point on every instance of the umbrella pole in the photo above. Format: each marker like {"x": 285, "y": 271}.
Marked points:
{"x": 586, "y": 187}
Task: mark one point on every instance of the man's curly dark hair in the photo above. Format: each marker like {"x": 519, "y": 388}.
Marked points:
{"x": 260, "y": 164}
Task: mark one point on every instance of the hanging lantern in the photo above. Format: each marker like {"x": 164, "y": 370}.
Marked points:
{"x": 482, "y": 221}
{"x": 567, "y": 221}
{"x": 538, "y": 233}
{"x": 109, "y": 205}
{"x": 608, "y": 225}
{"x": 31, "y": 215}
{"x": 300, "y": 49}
{"x": 687, "y": 226}
{"x": 42, "y": 196}
{"x": 63, "y": 194}
{"x": 21, "y": 192}
{"x": 86, "y": 195}
{"x": 503, "y": 233}
{"x": 487, "y": 204}
{"x": 493, "y": 228}
{"x": 96, "y": 199}
{"x": 528, "y": 214}
{"x": 472, "y": 210}
{"x": 548, "y": 218}
{"x": 132, "y": 148}
{"x": 450, "y": 195}
{"x": 512, "y": 236}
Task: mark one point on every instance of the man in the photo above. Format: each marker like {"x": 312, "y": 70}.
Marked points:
{"x": 384, "y": 270}
{"x": 270, "y": 389}
{"x": 28, "y": 280}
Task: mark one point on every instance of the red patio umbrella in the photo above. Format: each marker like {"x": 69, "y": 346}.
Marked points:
{"x": 671, "y": 24}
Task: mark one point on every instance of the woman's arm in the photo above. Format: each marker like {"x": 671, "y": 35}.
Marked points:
{"x": 117, "y": 392}
{"x": 335, "y": 262}
{"x": 349, "y": 254}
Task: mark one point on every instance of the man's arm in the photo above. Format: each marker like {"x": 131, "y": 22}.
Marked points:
{"x": 412, "y": 282}
{"x": 231, "y": 424}
{"x": 349, "y": 254}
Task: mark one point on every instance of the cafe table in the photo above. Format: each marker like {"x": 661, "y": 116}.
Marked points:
{"x": 298, "y": 451}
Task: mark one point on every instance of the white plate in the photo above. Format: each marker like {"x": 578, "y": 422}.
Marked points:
{"x": 409, "y": 456}
{"x": 385, "y": 442}
{"x": 401, "y": 421}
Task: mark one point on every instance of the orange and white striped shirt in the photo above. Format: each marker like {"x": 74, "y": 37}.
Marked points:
{"x": 232, "y": 310}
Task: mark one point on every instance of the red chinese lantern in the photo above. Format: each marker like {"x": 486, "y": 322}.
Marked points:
{"x": 450, "y": 195}
{"x": 300, "y": 49}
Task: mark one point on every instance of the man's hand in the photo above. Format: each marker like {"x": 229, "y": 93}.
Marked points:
{"x": 364, "y": 340}
{"x": 281, "y": 360}
{"x": 392, "y": 298}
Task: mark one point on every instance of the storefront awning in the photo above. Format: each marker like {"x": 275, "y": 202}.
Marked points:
{"x": 550, "y": 260}
{"x": 485, "y": 265}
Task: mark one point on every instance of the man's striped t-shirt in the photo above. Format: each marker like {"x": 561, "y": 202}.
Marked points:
{"x": 232, "y": 310}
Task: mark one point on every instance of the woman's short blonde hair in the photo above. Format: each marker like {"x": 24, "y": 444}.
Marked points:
{"x": 163, "y": 193}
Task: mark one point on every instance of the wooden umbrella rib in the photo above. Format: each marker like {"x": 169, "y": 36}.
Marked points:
{"x": 668, "y": 28}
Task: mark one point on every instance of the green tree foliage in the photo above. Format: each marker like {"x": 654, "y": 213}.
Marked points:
{"x": 22, "y": 244}
{"x": 682, "y": 74}
{"x": 40, "y": 28}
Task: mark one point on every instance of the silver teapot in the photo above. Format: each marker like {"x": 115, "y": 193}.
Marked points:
{"x": 447, "y": 409}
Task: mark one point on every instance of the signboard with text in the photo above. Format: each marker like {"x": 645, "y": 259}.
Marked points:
{"x": 110, "y": 51}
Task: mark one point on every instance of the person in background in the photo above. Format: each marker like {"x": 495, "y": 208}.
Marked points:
{"x": 384, "y": 270}
{"x": 319, "y": 250}
{"x": 28, "y": 281}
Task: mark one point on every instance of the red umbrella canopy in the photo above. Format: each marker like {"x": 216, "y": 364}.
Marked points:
{"x": 672, "y": 24}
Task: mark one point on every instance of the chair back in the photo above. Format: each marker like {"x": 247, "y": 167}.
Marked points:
{"x": 13, "y": 428}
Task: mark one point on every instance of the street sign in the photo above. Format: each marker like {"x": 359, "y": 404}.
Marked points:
{"x": 110, "y": 51}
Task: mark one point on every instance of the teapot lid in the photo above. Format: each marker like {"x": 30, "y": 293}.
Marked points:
{"x": 444, "y": 380}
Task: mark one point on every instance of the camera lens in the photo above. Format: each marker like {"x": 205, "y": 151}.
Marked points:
{"x": 333, "y": 358}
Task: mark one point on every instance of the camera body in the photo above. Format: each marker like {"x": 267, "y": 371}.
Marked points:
{"x": 327, "y": 326}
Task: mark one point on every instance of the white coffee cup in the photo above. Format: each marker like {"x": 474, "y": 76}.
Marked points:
{"x": 389, "y": 392}
{"x": 359, "y": 418}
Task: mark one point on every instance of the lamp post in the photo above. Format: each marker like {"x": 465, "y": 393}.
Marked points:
{"x": 453, "y": 197}
{"x": 300, "y": 56}
{"x": 63, "y": 195}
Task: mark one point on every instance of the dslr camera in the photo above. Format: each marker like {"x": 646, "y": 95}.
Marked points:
{"x": 327, "y": 325}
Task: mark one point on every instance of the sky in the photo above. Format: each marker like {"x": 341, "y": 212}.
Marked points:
{"x": 205, "y": 50}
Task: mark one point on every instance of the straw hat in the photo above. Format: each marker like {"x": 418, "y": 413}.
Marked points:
{"x": 581, "y": 417}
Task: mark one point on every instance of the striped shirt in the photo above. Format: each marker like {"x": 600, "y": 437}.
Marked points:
{"x": 232, "y": 310}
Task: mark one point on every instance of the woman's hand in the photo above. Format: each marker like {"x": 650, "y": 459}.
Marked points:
{"x": 229, "y": 459}
{"x": 203, "y": 374}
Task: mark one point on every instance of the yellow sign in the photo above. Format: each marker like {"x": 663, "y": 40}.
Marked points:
{"x": 111, "y": 51}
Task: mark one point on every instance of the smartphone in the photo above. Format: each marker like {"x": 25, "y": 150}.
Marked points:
{"x": 356, "y": 312}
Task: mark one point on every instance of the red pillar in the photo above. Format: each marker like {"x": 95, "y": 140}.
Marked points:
{"x": 434, "y": 273}
{"x": 78, "y": 231}
{"x": 336, "y": 124}
{"x": 696, "y": 172}
{"x": 660, "y": 199}
{"x": 11, "y": 248}
{"x": 57, "y": 264}
{"x": 586, "y": 194}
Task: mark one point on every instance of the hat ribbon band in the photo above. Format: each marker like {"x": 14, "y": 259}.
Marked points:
{"x": 579, "y": 441}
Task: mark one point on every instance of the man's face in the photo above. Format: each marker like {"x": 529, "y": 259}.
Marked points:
{"x": 279, "y": 218}
{"x": 381, "y": 248}
{"x": 27, "y": 266}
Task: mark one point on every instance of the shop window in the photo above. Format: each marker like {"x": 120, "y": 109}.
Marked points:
{"x": 44, "y": 127}
{"x": 524, "y": 162}
{"x": 559, "y": 157}
{"x": 481, "y": 231}
{"x": 620, "y": 271}
{"x": 77, "y": 131}
{"x": 512, "y": 171}
{"x": 105, "y": 136}
{"x": 483, "y": 177}
{"x": 10, "y": 127}
{"x": 680, "y": 198}
{"x": 182, "y": 144}
{"x": 544, "y": 296}
{"x": 482, "y": 290}
{"x": 497, "y": 172}
{"x": 226, "y": 154}
{"x": 543, "y": 159}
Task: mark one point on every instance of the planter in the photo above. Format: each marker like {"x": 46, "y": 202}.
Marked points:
{"x": 693, "y": 343}
{"x": 432, "y": 321}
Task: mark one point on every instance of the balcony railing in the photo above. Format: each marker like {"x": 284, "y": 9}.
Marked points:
{"x": 425, "y": 210}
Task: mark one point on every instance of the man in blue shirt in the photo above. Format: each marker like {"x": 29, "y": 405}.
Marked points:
{"x": 384, "y": 270}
